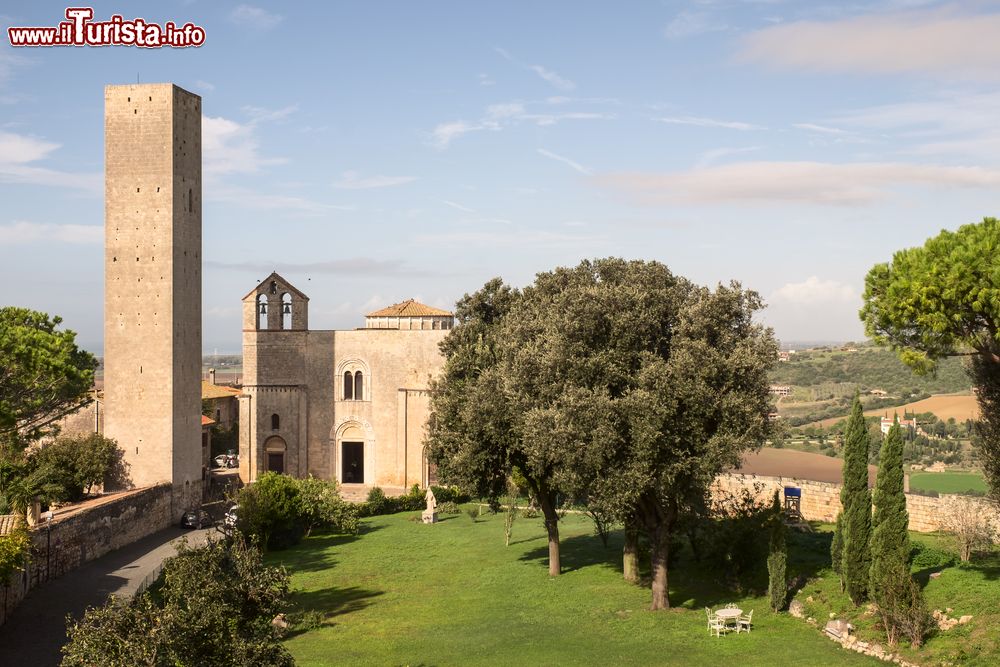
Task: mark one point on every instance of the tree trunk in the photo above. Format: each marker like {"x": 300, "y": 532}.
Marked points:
{"x": 552, "y": 528}
{"x": 630, "y": 554}
{"x": 659, "y": 550}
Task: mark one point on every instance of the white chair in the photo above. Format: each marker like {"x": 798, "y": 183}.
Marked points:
{"x": 744, "y": 622}
{"x": 715, "y": 624}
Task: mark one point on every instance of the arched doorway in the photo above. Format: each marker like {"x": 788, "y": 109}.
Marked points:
{"x": 274, "y": 454}
{"x": 352, "y": 455}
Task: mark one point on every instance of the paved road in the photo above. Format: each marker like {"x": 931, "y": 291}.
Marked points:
{"x": 35, "y": 632}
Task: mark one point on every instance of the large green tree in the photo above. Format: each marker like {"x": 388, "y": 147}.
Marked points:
{"x": 943, "y": 300}
{"x": 856, "y": 525}
{"x": 678, "y": 392}
{"x": 43, "y": 375}
{"x": 475, "y": 432}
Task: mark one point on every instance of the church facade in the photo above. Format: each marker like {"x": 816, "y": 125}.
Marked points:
{"x": 351, "y": 405}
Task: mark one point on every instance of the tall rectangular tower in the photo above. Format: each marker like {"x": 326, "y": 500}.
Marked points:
{"x": 152, "y": 284}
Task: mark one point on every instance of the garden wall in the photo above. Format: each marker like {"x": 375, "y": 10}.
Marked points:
{"x": 821, "y": 500}
{"x": 80, "y": 533}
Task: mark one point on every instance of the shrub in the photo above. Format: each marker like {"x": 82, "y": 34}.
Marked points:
{"x": 72, "y": 466}
{"x": 214, "y": 607}
{"x": 970, "y": 526}
{"x": 736, "y": 541}
{"x": 444, "y": 494}
{"x": 322, "y": 507}
{"x": 271, "y": 510}
{"x": 377, "y": 502}
{"x": 15, "y": 549}
{"x": 449, "y": 508}
{"x": 923, "y": 557}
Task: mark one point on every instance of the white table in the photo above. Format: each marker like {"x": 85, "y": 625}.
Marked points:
{"x": 729, "y": 616}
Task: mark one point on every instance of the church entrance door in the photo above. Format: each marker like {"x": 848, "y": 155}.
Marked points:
{"x": 352, "y": 463}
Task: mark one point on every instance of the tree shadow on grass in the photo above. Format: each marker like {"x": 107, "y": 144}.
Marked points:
{"x": 317, "y": 552}
{"x": 328, "y": 604}
{"x": 576, "y": 552}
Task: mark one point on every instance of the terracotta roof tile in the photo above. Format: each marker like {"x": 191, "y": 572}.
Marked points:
{"x": 207, "y": 421}
{"x": 209, "y": 391}
{"x": 7, "y": 523}
{"x": 409, "y": 308}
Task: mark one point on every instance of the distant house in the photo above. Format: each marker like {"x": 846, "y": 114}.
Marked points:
{"x": 903, "y": 423}
{"x": 878, "y": 392}
{"x": 780, "y": 390}
{"x": 222, "y": 402}
{"x": 783, "y": 356}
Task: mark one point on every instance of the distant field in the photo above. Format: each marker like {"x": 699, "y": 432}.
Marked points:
{"x": 945, "y": 406}
{"x": 947, "y": 482}
{"x": 771, "y": 462}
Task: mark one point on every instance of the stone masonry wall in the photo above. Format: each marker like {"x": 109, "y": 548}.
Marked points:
{"x": 87, "y": 532}
{"x": 821, "y": 500}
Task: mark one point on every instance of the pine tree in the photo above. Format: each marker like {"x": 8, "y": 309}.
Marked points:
{"x": 777, "y": 586}
{"x": 857, "y": 518}
{"x": 890, "y": 582}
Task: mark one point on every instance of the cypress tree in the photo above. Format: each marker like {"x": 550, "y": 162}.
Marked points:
{"x": 837, "y": 546}
{"x": 777, "y": 585}
{"x": 890, "y": 543}
{"x": 857, "y": 519}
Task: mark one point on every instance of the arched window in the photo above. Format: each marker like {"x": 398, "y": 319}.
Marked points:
{"x": 359, "y": 386}
{"x": 275, "y": 422}
{"x": 286, "y": 311}
{"x": 262, "y": 311}
{"x": 348, "y": 386}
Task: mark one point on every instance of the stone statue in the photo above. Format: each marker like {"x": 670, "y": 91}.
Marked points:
{"x": 430, "y": 514}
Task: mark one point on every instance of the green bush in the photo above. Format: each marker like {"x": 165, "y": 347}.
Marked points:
{"x": 449, "y": 508}
{"x": 15, "y": 549}
{"x": 453, "y": 494}
{"x": 271, "y": 509}
{"x": 323, "y": 508}
{"x": 923, "y": 557}
{"x": 214, "y": 607}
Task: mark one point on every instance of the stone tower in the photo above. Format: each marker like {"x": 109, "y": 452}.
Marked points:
{"x": 152, "y": 288}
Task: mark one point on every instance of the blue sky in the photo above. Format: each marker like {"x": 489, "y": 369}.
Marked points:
{"x": 376, "y": 151}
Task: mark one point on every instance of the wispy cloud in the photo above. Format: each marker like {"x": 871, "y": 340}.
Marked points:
{"x": 689, "y": 24}
{"x": 822, "y": 129}
{"x": 457, "y": 206}
{"x": 231, "y": 147}
{"x": 352, "y": 266}
{"x": 848, "y": 184}
{"x": 204, "y": 85}
{"x": 565, "y": 160}
{"x": 255, "y": 18}
{"x": 19, "y": 152}
{"x": 20, "y": 232}
{"x": 350, "y": 181}
{"x": 711, "y": 157}
{"x": 709, "y": 122}
{"x": 500, "y": 116}
{"x": 255, "y": 199}
{"x": 812, "y": 291}
{"x": 545, "y": 73}
{"x": 928, "y": 42}
{"x": 527, "y": 237}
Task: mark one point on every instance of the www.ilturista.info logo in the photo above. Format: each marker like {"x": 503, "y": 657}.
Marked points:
{"x": 80, "y": 30}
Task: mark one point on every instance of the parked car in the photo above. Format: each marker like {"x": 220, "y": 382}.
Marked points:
{"x": 220, "y": 461}
{"x": 195, "y": 519}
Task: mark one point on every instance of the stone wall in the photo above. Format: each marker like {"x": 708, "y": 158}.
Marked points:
{"x": 81, "y": 533}
{"x": 821, "y": 500}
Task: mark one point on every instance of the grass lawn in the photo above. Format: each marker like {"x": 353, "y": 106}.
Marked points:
{"x": 971, "y": 588}
{"x": 402, "y": 593}
{"x": 947, "y": 482}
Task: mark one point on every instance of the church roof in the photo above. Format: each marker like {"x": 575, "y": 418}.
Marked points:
{"x": 287, "y": 286}
{"x": 409, "y": 308}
